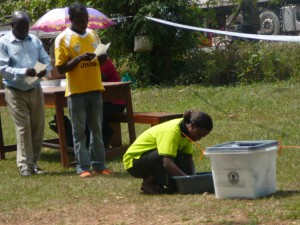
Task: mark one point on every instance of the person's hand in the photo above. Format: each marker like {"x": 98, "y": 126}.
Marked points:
{"x": 104, "y": 77}
{"x": 102, "y": 59}
{"x": 87, "y": 56}
{"x": 30, "y": 72}
{"x": 41, "y": 73}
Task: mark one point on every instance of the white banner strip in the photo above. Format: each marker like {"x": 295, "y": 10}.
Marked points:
{"x": 228, "y": 33}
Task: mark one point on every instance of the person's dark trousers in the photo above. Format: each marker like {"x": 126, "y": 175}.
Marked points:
{"x": 109, "y": 109}
{"x": 107, "y": 133}
{"x": 151, "y": 164}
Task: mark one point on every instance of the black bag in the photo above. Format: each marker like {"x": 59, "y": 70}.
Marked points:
{"x": 68, "y": 129}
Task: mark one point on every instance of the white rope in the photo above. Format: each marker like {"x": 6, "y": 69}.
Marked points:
{"x": 228, "y": 33}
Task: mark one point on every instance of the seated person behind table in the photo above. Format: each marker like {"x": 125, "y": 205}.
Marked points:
{"x": 166, "y": 150}
{"x": 109, "y": 74}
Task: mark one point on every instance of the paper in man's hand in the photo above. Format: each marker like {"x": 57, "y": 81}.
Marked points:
{"x": 38, "y": 68}
{"x": 101, "y": 49}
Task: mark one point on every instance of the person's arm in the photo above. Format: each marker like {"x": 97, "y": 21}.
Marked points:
{"x": 171, "y": 167}
{"x": 70, "y": 65}
{"x": 102, "y": 59}
{"x": 174, "y": 170}
{"x": 44, "y": 58}
{"x": 189, "y": 163}
{"x": 8, "y": 72}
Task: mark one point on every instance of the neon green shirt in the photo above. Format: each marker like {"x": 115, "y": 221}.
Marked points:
{"x": 165, "y": 137}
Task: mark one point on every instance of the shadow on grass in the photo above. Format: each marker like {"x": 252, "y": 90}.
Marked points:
{"x": 61, "y": 173}
{"x": 116, "y": 175}
{"x": 286, "y": 193}
{"x": 282, "y": 194}
{"x": 52, "y": 156}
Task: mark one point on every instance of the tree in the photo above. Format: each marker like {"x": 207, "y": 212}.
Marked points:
{"x": 34, "y": 8}
{"x": 170, "y": 44}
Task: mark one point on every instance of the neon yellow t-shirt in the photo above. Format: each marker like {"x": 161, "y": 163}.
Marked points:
{"x": 165, "y": 137}
{"x": 86, "y": 76}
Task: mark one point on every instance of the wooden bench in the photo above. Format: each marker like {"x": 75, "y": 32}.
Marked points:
{"x": 151, "y": 118}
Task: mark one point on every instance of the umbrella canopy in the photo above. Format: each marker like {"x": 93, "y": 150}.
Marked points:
{"x": 58, "y": 20}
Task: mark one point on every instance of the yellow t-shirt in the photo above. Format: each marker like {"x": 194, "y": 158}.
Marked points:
{"x": 165, "y": 137}
{"x": 86, "y": 76}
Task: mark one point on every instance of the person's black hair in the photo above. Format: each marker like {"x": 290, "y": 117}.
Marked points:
{"x": 18, "y": 16}
{"x": 76, "y": 8}
{"x": 200, "y": 119}
{"x": 20, "y": 24}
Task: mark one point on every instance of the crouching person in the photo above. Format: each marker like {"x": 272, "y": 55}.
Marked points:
{"x": 166, "y": 150}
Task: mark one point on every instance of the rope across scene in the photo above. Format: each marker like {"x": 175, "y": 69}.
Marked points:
{"x": 281, "y": 147}
{"x": 282, "y": 38}
{"x": 195, "y": 143}
{"x": 279, "y": 38}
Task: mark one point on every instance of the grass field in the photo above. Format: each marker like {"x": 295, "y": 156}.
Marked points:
{"x": 253, "y": 112}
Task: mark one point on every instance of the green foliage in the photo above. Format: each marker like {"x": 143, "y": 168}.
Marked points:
{"x": 176, "y": 57}
{"x": 244, "y": 62}
{"x": 248, "y": 68}
{"x": 169, "y": 43}
{"x": 34, "y": 8}
{"x": 265, "y": 62}
{"x": 209, "y": 67}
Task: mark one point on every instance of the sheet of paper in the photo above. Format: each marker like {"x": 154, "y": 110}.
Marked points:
{"x": 38, "y": 68}
{"x": 101, "y": 49}
{"x": 31, "y": 80}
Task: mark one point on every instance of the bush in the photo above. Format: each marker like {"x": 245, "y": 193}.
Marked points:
{"x": 244, "y": 62}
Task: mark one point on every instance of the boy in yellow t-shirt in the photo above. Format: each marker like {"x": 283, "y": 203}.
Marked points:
{"x": 74, "y": 56}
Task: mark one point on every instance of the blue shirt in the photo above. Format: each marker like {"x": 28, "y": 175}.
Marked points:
{"x": 18, "y": 55}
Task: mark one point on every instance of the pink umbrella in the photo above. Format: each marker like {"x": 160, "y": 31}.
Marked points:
{"x": 58, "y": 20}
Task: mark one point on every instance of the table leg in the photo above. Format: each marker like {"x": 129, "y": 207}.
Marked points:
{"x": 117, "y": 136}
{"x": 2, "y": 150}
{"x": 129, "y": 111}
{"x": 61, "y": 131}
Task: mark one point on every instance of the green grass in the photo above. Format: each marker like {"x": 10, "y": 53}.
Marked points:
{"x": 254, "y": 112}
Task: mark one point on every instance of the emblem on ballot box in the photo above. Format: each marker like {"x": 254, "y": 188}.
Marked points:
{"x": 233, "y": 177}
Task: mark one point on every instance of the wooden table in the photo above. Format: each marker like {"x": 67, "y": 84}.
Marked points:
{"x": 55, "y": 97}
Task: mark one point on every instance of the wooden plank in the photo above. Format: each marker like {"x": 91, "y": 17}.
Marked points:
{"x": 110, "y": 154}
{"x": 152, "y": 118}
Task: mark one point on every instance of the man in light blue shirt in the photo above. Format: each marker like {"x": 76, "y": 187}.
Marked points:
{"x": 19, "y": 53}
